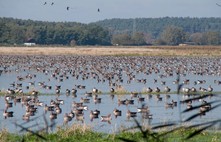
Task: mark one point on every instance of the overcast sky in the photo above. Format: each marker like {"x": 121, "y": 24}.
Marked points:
{"x": 86, "y": 11}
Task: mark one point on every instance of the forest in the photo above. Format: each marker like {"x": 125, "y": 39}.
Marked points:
{"x": 138, "y": 31}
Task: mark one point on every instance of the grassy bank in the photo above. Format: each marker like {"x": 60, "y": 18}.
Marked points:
{"x": 116, "y": 50}
{"x": 79, "y": 133}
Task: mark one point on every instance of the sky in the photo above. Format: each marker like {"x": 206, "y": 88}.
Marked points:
{"x": 86, "y": 11}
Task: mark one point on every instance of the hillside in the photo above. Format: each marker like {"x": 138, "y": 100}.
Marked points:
{"x": 155, "y": 26}
{"x": 146, "y": 31}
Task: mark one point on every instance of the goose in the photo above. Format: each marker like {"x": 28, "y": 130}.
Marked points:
{"x": 57, "y": 91}
{"x": 75, "y": 104}
{"x": 96, "y": 111}
{"x": 78, "y": 111}
{"x": 95, "y": 90}
{"x": 106, "y": 118}
{"x": 73, "y": 91}
{"x": 8, "y": 104}
{"x": 26, "y": 117}
{"x": 53, "y": 115}
{"x": 68, "y": 92}
{"x": 167, "y": 89}
{"x": 158, "y": 97}
{"x": 127, "y": 102}
{"x": 7, "y": 114}
{"x": 88, "y": 94}
{"x": 121, "y": 102}
{"x": 147, "y": 115}
{"x": 193, "y": 90}
{"x": 34, "y": 93}
{"x": 97, "y": 100}
{"x": 169, "y": 105}
{"x": 67, "y": 118}
{"x": 17, "y": 99}
{"x": 112, "y": 90}
{"x": 48, "y": 108}
{"x": 84, "y": 100}
{"x": 58, "y": 110}
{"x": 79, "y": 117}
{"x": 93, "y": 115}
{"x": 157, "y": 90}
{"x": 59, "y": 101}
{"x": 134, "y": 94}
{"x": 71, "y": 114}
{"x": 117, "y": 112}
{"x": 140, "y": 99}
{"x": 10, "y": 91}
{"x": 131, "y": 114}
{"x": 83, "y": 107}
{"x": 143, "y": 109}
{"x": 174, "y": 103}
{"x": 210, "y": 89}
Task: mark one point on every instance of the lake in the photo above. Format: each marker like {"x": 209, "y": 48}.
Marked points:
{"x": 128, "y": 77}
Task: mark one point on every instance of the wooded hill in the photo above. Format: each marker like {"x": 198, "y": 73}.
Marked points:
{"x": 155, "y": 26}
{"x": 139, "y": 31}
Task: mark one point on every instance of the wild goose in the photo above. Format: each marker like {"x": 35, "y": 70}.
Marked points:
{"x": 140, "y": 99}
{"x": 8, "y": 104}
{"x": 106, "y": 118}
{"x": 210, "y": 89}
{"x": 67, "y": 118}
{"x": 93, "y": 115}
{"x": 75, "y": 104}
{"x": 143, "y": 109}
{"x": 7, "y": 114}
{"x": 157, "y": 90}
{"x": 95, "y": 90}
{"x": 131, "y": 114}
{"x": 167, "y": 89}
{"x": 48, "y": 108}
{"x": 97, "y": 100}
{"x": 149, "y": 90}
{"x": 117, "y": 112}
{"x": 53, "y": 115}
{"x": 84, "y": 100}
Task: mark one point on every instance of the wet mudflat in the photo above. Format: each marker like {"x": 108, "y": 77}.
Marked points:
{"x": 105, "y": 92}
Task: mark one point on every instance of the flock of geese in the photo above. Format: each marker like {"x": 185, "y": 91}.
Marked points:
{"x": 67, "y": 8}
{"x": 115, "y": 72}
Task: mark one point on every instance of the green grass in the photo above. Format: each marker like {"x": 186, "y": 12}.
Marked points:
{"x": 85, "y": 134}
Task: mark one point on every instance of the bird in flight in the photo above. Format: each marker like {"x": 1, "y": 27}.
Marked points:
{"x": 45, "y": 3}
{"x": 98, "y": 10}
{"x": 218, "y": 4}
{"x": 68, "y": 8}
{"x": 52, "y": 3}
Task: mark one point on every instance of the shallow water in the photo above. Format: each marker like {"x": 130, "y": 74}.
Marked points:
{"x": 91, "y": 72}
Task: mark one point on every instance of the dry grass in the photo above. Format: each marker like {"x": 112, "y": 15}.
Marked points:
{"x": 116, "y": 50}
{"x": 74, "y": 129}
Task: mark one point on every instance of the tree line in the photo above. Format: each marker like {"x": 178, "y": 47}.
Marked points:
{"x": 166, "y": 30}
{"x": 16, "y": 31}
{"x": 139, "y": 31}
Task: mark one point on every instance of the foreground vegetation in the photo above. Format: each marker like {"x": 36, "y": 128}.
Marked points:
{"x": 79, "y": 133}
